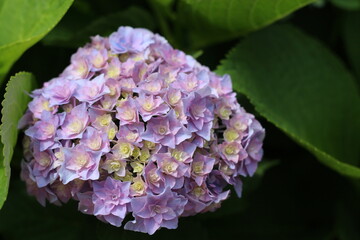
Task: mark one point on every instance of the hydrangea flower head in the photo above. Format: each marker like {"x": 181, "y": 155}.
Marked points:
{"x": 133, "y": 127}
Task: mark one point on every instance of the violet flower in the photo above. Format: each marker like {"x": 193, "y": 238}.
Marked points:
{"x": 135, "y": 127}
{"x": 154, "y": 211}
{"x": 110, "y": 200}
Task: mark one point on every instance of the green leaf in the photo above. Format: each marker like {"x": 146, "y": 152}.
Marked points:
{"x": 214, "y": 20}
{"x": 66, "y": 35}
{"x": 4, "y": 179}
{"x": 303, "y": 89}
{"x": 163, "y": 11}
{"x": 164, "y": 5}
{"x": 14, "y": 105}
{"x": 347, "y": 4}
{"x": 352, "y": 39}
{"x": 23, "y": 23}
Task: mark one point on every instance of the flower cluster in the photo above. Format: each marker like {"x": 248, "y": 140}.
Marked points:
{"x": 135, "y": 127}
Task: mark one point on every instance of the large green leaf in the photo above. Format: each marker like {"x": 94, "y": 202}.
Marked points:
{"x": 164, "y": 5}
{"x": 23, "y": 23}
{"x": 223, "y": 19}
{"x": 67, "y": 34}
{"x": 352, "y": 39}
{"x": 4, "y": 179}
{"x": 14, "y": 105}
{"x": 302, "y": 88}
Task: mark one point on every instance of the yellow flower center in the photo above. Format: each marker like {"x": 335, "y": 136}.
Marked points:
{"x": 136, "y": 152}
{"x": 230, "y": 150}
{"x": 60, "y": 156}
{"x": 149, "y": 145}
{"x": 225, "y": 112}
{"x": 231, "y": 135}
{"x": 137, "y": 167}
{"x": 174, "y": 99}
{"x": 111, "y": 133}
{"x": 128, "y": 114}
{"x": 154, "y": 177}
{"x": 162, "y": 130}
{"x": 95, "y": 143}
{"x": 98, "y": 61}
{"x": 112, "y": 90}
{"x": 81, "y": 69}
{"x": 45, "y": 106}
{"x": 142, "y": 73}
{"x": 104, "y": 120}
{"x": 131, "y": 136}
{"x": 113, "y": 72}
{"x": 144, "y": 155}
{"x": 240, "y": 126}
{"x": 225, "y": 169}
{"x": 153, "y": 87}
{"x": 198, "y": 167}
{"x": 115, "y": 166}
{"x": 177, "y": 154}
{"x": 49, "y": 129}
{"x": 124, "y": 149}
{"x": 169, "y": 167}
{"x": 81, "y": 160}
{"x": 127, "y": 84}
{"x": 177, "y": 113}
{"x": 75, "y": 126}
{"x": 106, "y": 104}
{"x": 198, "y": 191}
{"x": 191, "y": 85}
{"x": 138, "y": 186}
{"x": 148, "y": 105}
{"x": 128, "y": 177}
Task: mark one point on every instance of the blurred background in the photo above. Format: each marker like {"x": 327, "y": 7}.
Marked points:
{"x": 292, "y": 195}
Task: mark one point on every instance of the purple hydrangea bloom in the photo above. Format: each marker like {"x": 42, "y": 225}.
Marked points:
{"x": 79, "y": 162}
{"x": 59, "y": 91}
{"x": 40, "y": 104}
{"x": 43, "y": 168}
{"x": 128, "y": 39}
{"x": 150, "y": 106}
{"x": 127, "y": 112}
{"x": 154, "y": 178}
{"x": 75, "y": 123}
{"x": 200, "y": 112}
{"x": 110, "y": 200}
{"x": 91, "y": 91}
{"x": 166, "y": 131}
{"x": 40, "y": 193}
{"x": 132, "y": 133}
{"x": 45, "y": 130}
{"x": 135, "y": 127}
{"x": 112, "y": 164}
{"x": 154, "y": 211}
{"x": 201, "y": 166}
{"x": 95, "y": 140}
{"x": 173, "y": 170}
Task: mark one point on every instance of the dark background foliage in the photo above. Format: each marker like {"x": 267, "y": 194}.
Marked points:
{"x": 293, "y": 195}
